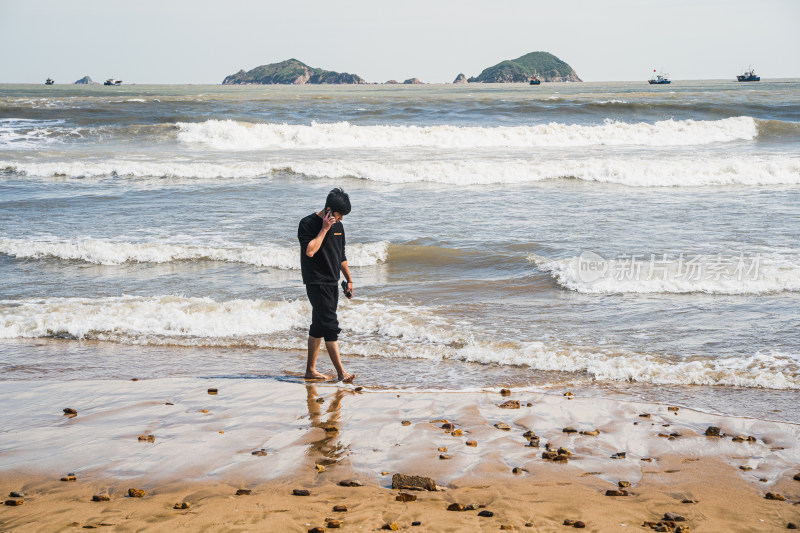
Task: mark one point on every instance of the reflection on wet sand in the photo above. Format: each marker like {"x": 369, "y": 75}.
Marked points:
{"x": 327, "y": 450}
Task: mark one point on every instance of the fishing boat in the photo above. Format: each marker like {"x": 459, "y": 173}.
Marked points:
{"x": 659, "y": 79}
{"x": 534, "y": 79}
{"x": 112, "y": 81}
{"x": 49, "y": 81}
{"x": 749, "y": 75}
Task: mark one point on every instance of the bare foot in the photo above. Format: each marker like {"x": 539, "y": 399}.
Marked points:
{"x": 316, "y": 375}
{"x": 347, "y": 378}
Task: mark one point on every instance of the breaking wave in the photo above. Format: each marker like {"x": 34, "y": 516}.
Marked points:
{"x": 232, "y": 135}
{"x": 106, "y": 252}
{"x": 690, "y": 171}
{"x": 730, "y": 275}
{"x": 373, "y": 328}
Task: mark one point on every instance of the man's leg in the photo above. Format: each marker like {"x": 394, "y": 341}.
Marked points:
{"x": 311, "y": 365}
{"x": 333, "y": 351}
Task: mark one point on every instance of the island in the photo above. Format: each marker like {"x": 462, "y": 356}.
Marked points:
{"x": 86, "y": 80}
{"x": 290, "y": 72}
{"x": 546, "y": 66}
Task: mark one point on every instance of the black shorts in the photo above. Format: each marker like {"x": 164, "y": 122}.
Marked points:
{"x": 324, "y": 300}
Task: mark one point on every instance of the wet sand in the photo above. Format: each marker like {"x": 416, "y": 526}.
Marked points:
{"x": 203, "y": 444}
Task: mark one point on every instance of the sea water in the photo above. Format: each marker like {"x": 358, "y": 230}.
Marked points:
{"x": 618, "y": 239}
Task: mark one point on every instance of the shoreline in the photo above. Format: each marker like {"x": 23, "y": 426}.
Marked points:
{"x": 204, "y": 457}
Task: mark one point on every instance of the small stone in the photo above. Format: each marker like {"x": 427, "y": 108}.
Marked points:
{"x": 260, "y": 453}
{"x": 505, "y": 392}
{"x": 530, "y": 435}
{"x": 533, "y": 443}
{"x": 212, "y": 391}
{"x": 472, "y": 443}
{"x": 448, "y": 426}
{"x": 319, "y": 468}
{"x": 791, "y": 525}
{"x": 457, "y": 433}
{"x": 591, "y": 433}
{"x": 320, "y": 400}
{"x": 503, "y": 426}
{"x": 510, "y": 404}
{"x": 549, "y": 455}
{"x": 688, "y": 500}
{"x": 169, "y": 403}
{"x": 506, "y": 527}
{"x": 339, "y": 508}
{"x": 444, "y": 456}
{"x": 619, "y": 455}
{"x": 569, "y": 522}
{"x": 751, "y": 439}
{"x": 623, "y": 484}
{"x": 406, "y": 497}
{"x": 619, "y": 492}
{"x": 406, "y": 422}
{"x": 392, "y": 526}
{"x": 181, "y": 505}
{"x": 147, "y": 438}
{"x": 204, "y": 411}
{"x": 16, "y": 494}
{"x": 408, "y": 482}
{"x": 644, "y": 415}
{"x": 568, "y": 394}
{"x": 244, "y": 492}
{"x": 486, "y": 514}
{"x": 739, "y": 438}
{"x": 647, "y": 459}
{"x": 746, "y": 468}
{"x": 441, "y": 449}
{"x": 528, "y": 524}
{"x": 517, "y": 470}
{"x": 796, "y": 477}
{"x": 564, "y": 451}
{"x": 712, "y": 431}
{"x": 579, "y": 525}
{"x": 455, "y": 507}
{"x": 69, "y": 477}
{"x": 136, "y": 493}
{"x": 15, "y": 502}
{"x": 569, "y": 430}
{"x": 384, "y": 473}
{"x": 134, "y": 379}
{"x": 672, "y": 408}
{"x": 561, "y": 458}
{"x": 775, "y": 496}
{"x": 358, "y": 389}
{"x": 333, "y": 524}
{"x": 101, "y": 498}
{"x": 350, "y": 483}
{"x": 331, "y": 429}
{"x": 683, "y": 529}
{"x": 70, "y": 411}
{"x": 301, "y": 492}
{"x": 317, "y": 530}
{"x": 416, "y": 523}
{"x": 529, "y": 404}
{"x": 674, "y": 517}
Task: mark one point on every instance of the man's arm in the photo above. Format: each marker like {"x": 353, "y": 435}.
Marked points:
{"x": 346, "y": 271}
{"x": 316, "y": 242}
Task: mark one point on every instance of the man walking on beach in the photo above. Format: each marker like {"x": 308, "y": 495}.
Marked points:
{"x": 322, "y": 258}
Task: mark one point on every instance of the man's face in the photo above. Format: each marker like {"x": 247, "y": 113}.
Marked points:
{"x": 338, "y": 216}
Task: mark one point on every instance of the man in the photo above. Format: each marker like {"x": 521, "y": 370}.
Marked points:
{"x": 322, "y": 258}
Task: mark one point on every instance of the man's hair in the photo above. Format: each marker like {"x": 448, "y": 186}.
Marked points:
{"x": 338, "y": 201}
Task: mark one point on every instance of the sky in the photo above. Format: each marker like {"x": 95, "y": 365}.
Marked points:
{"x": 197, "y": 41}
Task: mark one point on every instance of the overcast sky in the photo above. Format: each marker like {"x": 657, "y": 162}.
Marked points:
{"x": 196, "y": 41}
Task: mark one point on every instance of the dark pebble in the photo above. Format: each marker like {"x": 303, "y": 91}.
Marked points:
{"x": 486, "y": 514}
{"x": 301, "y": 492}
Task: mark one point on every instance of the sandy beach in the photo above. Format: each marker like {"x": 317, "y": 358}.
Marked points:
{"x": 312, "y": 437}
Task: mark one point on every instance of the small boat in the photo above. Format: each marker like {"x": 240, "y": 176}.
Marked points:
{"x": 112, "y": 81}
{"x": 749, "y": 75}
{"x": 49, "y": 81}
{"x": 659, "y": 79}
{"x": 534, "y": 79}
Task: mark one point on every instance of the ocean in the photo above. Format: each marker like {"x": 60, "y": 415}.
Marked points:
{"x": 614, "y": 239}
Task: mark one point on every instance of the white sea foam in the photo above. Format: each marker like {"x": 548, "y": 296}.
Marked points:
{"x": 736, "y": 274}
{"x": 232, "y": 135}
{"x": 692, "y": 171}
{"x": 373, "y": 329}
{"x": 17, "y": 133}
{"x": 107, "y": 252}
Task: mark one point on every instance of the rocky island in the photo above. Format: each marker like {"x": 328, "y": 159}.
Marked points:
{"x": 290, "y": 72}
{"x": 547, "y": 67}
{"x": 86, "y": 80}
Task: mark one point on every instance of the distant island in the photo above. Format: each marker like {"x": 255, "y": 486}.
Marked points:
{"x": 86, "y": 80}
{"x": 290, "y": 72}
{"x": 547, "y": 67}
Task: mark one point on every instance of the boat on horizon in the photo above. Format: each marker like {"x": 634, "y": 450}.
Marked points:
{"x": 749, "y": 75}
{"x": 112, "y": 81}
{"x": 534, "y": 79}
{"x": 49, "y": 81}
{"x": 659, "y": 79}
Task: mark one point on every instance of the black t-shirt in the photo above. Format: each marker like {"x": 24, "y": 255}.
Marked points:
{"x": 324, "y": 267}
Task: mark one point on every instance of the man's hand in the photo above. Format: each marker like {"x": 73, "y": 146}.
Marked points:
{"x": 350, "y": 288}
{"x": 328, "y": 220}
